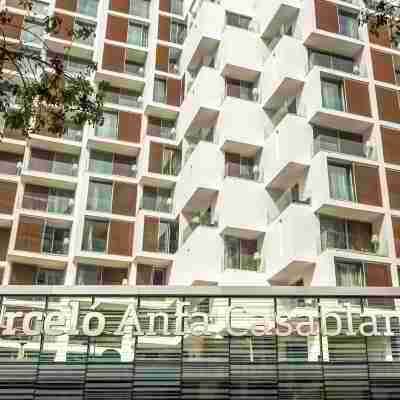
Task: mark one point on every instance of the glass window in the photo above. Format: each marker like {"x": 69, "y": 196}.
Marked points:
{"x": 240, "y": 21}
{"x": 49, "y": 277}
{"x": 178, "y": 32}
{"x": 87, "y": 275}
{"x": 340, "y": 182}
{"x": 348, "y": 24}
{"x": 95, "y": 236}
{"x": 60, "y": 201}
{"x": 177, "y": 7}
{"x": 333, "y": 233}
{"x": 64, "y": 164}
{"x": 109, "y": 129}
{"x": 101, "y": 163}
{"x": 232, "y": 253}
{"x": 138, "y": 34}
{"x": 139, "y": 7}
{"x": 55, "y": 240}
{"x": 33, "y": 32}
{"x": 349, "y": 274}
{"x": 88, "y": 7}
{"x": 100, "y": 196}
{"x": 160, "y": 90}
{"x": 331, "y": 61}
{"x": 332, "y": 94}
{"x": 158, "y": 277}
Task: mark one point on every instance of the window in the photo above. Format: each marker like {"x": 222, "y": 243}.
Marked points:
{"x": 173, "y": 60}
{"x": 241, "y": 254}
{"x": 160, "y": 90}
{"x": 60, "y": 201}
{"x": 95, "y": 235}
{"x": 168, "y": 237}
{"x": 33, "y": 32}
{"x": 95, "y": 275}
{"x": 88, "y": 7}
{"x": 348, "y": 24}
{"x": 157, "y": 199}
{"x": 349, "y": 274}
{"x": 100, "y": 196}
{"x": 48, "y": 277}
{"x": 109, "y": 129}
{"x": 55, "y": 240}
{"x": 138, "y": 34}
{"x": 170, "y": 161}
{"x": 149, "y": 275}
{"x": 340, "y": 181}
{"x": 332, "y": 94}
{"x": 178, "y": 32}
{"x": 338, "y": 141}
{"x": 240, "y": 89}
{"x": 240, "y": 21}
{"x": 177, "y": 7}
{"x": 101, "y": 163}
{"x": 139, "y": 7}
{"x": 64, "y": 164}
{"x": 331, "y": 61}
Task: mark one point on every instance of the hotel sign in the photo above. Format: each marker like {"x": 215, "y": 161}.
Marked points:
{"x": 236, "y": 320}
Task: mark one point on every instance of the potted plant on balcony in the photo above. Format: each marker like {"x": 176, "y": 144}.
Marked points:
{"x": 375, "y": 243}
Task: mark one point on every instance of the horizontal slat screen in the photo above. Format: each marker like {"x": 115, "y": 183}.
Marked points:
{"x": 214, "y": 366}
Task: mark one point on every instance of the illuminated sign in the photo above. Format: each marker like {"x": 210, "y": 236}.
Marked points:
{"x": 237, "y": 321}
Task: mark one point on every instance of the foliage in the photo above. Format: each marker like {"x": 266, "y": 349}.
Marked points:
{"x": 39, "y": 94}
{"x": 380, "y": 15}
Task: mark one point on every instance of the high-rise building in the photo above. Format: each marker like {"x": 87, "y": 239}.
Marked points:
{"x": 247, "y": 142}
{"x": 247, "y": 146}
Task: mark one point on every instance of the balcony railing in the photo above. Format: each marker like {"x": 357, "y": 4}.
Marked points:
{"x": 244, "y": 263}
{"x": 344, "y": 146}
{"x": 160, "y": 204}
{"x": 351, "y": 242}
{"x": 47, "y": 246}
{"x": 128, "y": 99}
{"x": 55, "y": 204}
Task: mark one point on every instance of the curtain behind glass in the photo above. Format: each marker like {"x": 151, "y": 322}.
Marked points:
{"x": 232, "y": 253}
{"x": 164, "y": 237}
{"x": 348, "y": 24}
{"x": 59, "y": 201}
{"x": 101, "y": 163}
{"x": 349, "y": 275}
{"x": 87, "y": 275}
{"x": 332, "y": 95}
{"x": 160, "y": 90}
{"x": 100, "y": 196}
{"x": 340, "y": 182}
{"x": 109, "y": 128}
{"x": 88, "y": 7}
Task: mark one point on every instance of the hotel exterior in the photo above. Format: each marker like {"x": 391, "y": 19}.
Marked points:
{"x": 245, "y": 143}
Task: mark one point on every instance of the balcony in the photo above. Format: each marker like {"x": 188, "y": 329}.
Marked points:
{"x": 103, "y": 163}
{"x": 140, "y": 8}
{"x": 11, "y": 164}
{"x": 202, "y": 103}
{"x": 156, "y": 199}
{"x": 234, "y": 133}
{"x": 102, "y": 276}
{"x": 25, "y": 274}
{"x": 107, "y": 242}
{"x": 124, "y": 98}
{"x": 243, "y": 65}
{"x": 290, "y": 245}
{"x": 8, "y": 191}
{"x": 48, "y": 200}
{"x": 58, "y": 169}
{"x": 281, "y": 77}
{"x": 156, "y": 240}
{"x": 69, "y": 141}
{"x": 348, "y": 190}
{"x": 288, "y": 152}
{"x": 204, "y": 36}
{"x": 332, "y": 29}
{"x": 273, "y": 14}
{"x": 44, "y": 241}
{"x": 340, "y": 106}
{"x": 351, "y": 236}
{"x": 199, "y": 181}
{"x": 251, "y": 222}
